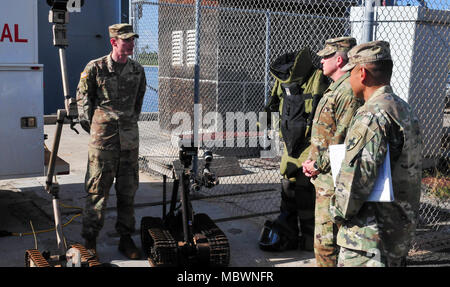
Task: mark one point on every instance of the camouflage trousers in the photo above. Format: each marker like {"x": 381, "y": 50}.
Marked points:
{"x": 325, "y": 231}
{"x": 357, "y": 258}
{"x": 375, "y": 258}
{"x": 103, "y": 167}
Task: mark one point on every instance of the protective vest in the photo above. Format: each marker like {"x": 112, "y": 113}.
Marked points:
{"x": 298, "y": 89}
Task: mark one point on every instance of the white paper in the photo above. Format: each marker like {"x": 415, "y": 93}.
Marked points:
{"x": 382, "y": 191}
{"x": 337, "y": 154}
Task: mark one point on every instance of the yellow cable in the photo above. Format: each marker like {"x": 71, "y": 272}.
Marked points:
{"x": 51, "y": 229}
{"x": 68, "y": 206}
{"x": 34, "y": 234}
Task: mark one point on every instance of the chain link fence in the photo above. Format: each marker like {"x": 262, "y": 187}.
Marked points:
{"x": 207, "y": 65}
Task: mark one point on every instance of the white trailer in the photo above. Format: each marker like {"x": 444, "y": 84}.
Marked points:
{"x": 22, "y": 152}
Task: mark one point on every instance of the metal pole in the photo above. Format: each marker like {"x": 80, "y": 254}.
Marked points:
{"x": 267, "y": 72}
{"x": 185, "y": 207}
{"x": 164, "y": 197}
{"x": 266, "y": 81}
{"x": 368, "y": 21}
{"x": 69, "y": 103}
{"x": 61, "y": 114}
{"x": 65, "y": 81}
{"x": 58, "y": 226}
{"x": 196, "y": 81}
{"x": 53, "y": 188}
{"x": 119, "y": 11}
{"x": 130, "y": 13}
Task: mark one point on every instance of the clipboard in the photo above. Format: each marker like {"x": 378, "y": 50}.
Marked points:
{"x": 382, "y": 190}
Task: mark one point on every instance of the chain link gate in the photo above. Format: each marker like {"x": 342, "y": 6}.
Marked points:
{"x": 237, "y": 41}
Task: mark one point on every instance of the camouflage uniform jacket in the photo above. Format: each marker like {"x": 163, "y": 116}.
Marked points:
{"x": 385, "y": 226}
{"x": 330, "y": 124}
{"x": 109, "y": 103}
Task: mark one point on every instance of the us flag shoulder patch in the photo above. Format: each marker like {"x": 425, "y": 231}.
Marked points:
{"x": 84, "y": 75}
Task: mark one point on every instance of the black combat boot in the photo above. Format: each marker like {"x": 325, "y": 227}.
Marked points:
{"x": 91, "y": 245}
{"x": 128, "y": 248}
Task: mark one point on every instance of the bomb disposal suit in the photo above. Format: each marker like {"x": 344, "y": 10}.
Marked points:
{"x": 295, "y": 95}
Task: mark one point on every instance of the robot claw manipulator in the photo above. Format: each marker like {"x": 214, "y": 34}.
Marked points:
{"x": 205, "y": 178}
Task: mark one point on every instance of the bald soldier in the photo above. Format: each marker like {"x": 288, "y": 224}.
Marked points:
{"x": 110, "y": 95}
{"x": 377, "y": 233}
{"x": 330, "y": 124}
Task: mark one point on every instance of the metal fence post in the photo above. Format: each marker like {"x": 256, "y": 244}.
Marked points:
{"x": 368, "y": 20}
{"x": 267, "y": 71}
{"x": 266, "y": 82}
{"x": 130, "y": 13}
{"x": 196, "y": 81}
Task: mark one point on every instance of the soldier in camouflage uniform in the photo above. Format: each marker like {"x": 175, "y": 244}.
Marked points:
{"x": 333, "y": 115}
{"x": 377, "y": 233}
{"x": 110, "y": 95}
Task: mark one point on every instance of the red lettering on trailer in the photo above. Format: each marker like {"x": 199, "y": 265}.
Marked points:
{"x": 16, "y": 35}
{"x": 6, "y": 34}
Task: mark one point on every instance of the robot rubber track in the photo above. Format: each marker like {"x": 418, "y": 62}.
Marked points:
{"x": 210, "y": 243}
{"x": 34, "y": 258}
